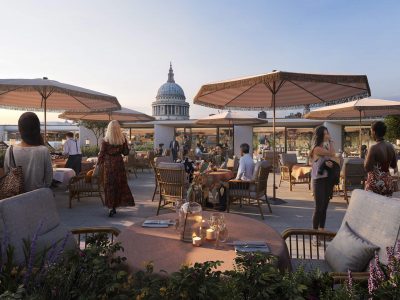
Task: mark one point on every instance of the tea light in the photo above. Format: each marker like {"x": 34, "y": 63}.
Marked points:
{"x": 196, "y": 240}
{"x": 211, "y": 234}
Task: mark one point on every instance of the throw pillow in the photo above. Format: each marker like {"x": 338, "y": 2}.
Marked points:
{"x": 348, "y": 251}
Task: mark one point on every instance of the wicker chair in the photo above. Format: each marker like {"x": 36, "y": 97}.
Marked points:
{"x": 353, "y": 175}
{"x": 130, "y": 164}
{"x": 82, "y": 186}
{"x": 250, "y": 192}
{"x": 156, "y": 161}
{"x": 171, "y": 178}
{"x": 233, "y": 164}
{"x": 269, "y": 155}
{"x": 287, "y": 161}
{"x": 81, "y": 234}
{"x": 381, "y": 230}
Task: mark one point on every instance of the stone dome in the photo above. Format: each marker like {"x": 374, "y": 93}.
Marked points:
{"x": 170, "y": 101}
{"x": 170, "y": 89}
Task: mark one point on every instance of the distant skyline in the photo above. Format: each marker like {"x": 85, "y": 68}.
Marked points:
{"x": 124, "y": 48}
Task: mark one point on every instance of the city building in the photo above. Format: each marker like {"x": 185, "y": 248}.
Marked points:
{"x": 170, "y": 101}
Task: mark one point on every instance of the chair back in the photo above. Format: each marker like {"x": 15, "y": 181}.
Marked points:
{"x": 171, "y": 179}
{"x": 167, "y": 152}
{"x": 233, "y": 163}
{"x": 353, "y": 172}
{"x": 162, "y": 159}
{"x": 375, "y": 218}
{"x": 130, "y": 160}
{"x": 260, "y": 175}
{"x": 269, "y": 155}
{"x": 288, "y": 159}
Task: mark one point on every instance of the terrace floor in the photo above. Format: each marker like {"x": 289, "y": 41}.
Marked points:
{"x": 296, "y": 212}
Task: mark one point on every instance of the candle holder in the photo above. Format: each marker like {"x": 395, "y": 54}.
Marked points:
{"x": 190, "y": 217}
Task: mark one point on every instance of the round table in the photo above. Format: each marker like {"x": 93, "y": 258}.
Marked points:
{"x": 63, "y": 175}
{"x": 301, "y": 170}
{"x": 163, "y": 247}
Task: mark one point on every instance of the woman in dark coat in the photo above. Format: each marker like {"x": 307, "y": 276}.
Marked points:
{"x": 116, "y": 190}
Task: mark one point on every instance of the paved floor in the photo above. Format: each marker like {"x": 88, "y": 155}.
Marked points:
{"x": 296, "y": 212}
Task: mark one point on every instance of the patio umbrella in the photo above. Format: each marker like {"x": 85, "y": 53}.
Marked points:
{"x": 280, "y": 89}
{"x": 122, "y": 115}
{"x": 230, "y": 118}
{"x": 51, "y": 95}
{"x": 362, "y": 108}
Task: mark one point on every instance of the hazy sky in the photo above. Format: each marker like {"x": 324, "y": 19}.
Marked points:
{"x": 123, "y": 48}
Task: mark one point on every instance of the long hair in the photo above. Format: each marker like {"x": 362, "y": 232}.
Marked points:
{"x": 318, "y": 137}
{"x": 29, "y": 129}
{"x": 114, "y": 135}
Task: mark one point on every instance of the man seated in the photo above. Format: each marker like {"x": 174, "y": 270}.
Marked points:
{"x": 198, "y": 152}
{"x": 246, "y": 164}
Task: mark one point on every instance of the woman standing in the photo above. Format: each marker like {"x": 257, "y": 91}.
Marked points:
{"x": 31, "y": 154}
{"x": 116, "y": 189}
{"x": 322, "y": 150}
{"x": 380, "y": 157}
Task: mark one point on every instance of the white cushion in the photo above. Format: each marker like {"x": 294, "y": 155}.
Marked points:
{"x": 375, "y": 218}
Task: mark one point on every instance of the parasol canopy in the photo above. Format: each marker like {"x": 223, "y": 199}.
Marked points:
{"x": 51, "y": 95}
{"x": 362, "y": 108}
{"x": 280, "y": 89}
{"x": 122, "y": 115}
{"x": 230, "y": 118}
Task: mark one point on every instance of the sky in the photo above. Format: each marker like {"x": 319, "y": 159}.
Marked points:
{"x": 124, "y": 47}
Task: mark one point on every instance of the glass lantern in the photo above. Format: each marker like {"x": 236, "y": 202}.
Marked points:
{"x": 190, "y": 217}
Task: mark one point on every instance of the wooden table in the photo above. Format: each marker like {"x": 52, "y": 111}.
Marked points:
{"x": 163, "y": 247}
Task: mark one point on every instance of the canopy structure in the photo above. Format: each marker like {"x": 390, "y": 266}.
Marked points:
{"x": 362, "y": 108}
{"x": 280, "y": 89}
{"x": 230, "y": 118}
{"x": 122, "y": 115}
{"x": 51, "y": 95}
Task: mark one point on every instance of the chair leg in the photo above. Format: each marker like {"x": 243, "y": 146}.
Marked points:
{"x": 269, "y": 205}
{"x": 159, "y": 205}
{"x": 260, "y": 208}
{"x": 228, "y": 203}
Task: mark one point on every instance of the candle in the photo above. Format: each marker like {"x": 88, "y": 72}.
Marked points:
{"x": 211, "y": 234}
{"x": 196, "y": 241}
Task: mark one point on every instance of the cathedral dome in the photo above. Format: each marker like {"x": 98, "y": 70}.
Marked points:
{"x": 170, "y": 89}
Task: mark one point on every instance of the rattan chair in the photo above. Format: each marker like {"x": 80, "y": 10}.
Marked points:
{"x": 353, "y": 175}
{"x": 287, "y": 161}
{"x": 82, "y": 186}
{"x": 381, "y": 230}
{"x": 251, "y": 192}
{"x": 130, "y": 164}
{"x": 269, "y": 155}
{"x": 171, "y": 178}
{"x": 156, "y": 161}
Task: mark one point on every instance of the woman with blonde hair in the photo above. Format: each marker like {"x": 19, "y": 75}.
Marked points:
{"x": 116, "y": 189}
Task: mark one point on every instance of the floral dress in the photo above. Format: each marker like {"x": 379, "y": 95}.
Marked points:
{"x": 379, "y": 180}
{"x": 116, "y": 189}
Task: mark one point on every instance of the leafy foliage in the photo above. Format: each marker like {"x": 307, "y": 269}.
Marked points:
{"x": 393, "y": 128}
{"x": 97, "y": 127}
{"x": 98, "y": 272}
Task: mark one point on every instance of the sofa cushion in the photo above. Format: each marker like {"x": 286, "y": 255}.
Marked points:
{"x": 22, "y": 215}
{"x": 374, "y": 217}
{"x": 348, "y": 251}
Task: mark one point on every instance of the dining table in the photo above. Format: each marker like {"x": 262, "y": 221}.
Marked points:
{"x": 63, "y": 175}
{"x": 164, "y": 249}
{"x": 211, "y": 181}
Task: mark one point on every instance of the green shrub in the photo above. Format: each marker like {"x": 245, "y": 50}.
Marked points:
{"x": 97, "y": 272}
{"x": 144, "y": 147}
{"x": 90, "y": 151}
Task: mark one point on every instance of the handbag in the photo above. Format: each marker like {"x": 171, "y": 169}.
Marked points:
{"x": 12, "y": 183}
{"x": 125, "y": 149}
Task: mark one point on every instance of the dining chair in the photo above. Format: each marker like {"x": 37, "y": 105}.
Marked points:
{"x": 286, "y": 162}
{"x": 250, "y": 192}
{"x": 171, "y": 178}
{"x": 353, "y": 175}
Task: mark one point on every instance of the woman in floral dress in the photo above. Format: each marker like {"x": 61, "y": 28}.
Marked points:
{"x": 116, "y": 189}
{"x": 380, "y": 157}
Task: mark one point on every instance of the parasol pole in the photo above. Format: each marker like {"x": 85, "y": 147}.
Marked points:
{"x": 274, "y": 137}
{"x": 360, "y": 133}
{"x": 45, "y": 119}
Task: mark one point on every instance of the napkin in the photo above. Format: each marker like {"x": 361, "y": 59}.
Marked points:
{"x": 251, "y": 246}
{"x": 157, "y": 223}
